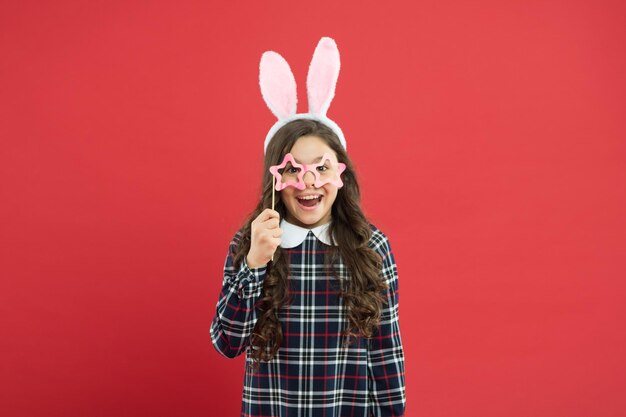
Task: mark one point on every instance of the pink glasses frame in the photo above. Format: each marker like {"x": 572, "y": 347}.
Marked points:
{"x": 304, "y": 168}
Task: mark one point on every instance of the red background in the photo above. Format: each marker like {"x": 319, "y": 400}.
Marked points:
{"x": 490, "y": 141}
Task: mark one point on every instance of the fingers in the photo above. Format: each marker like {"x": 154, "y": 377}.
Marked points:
{"x": 268, "y": 219}
{"x": 266, "y": 215}
{"x": 271, "y": 237}
{"x": 265, "y": 237}
{"x": 277, "y": 242}
{"x": 270, "y": 224}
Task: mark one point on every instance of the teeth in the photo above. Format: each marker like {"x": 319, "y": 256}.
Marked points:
{"x": 309, "y": 197}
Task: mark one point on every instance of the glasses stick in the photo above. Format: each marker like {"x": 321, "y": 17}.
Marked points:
{"x": 273, "y": 191}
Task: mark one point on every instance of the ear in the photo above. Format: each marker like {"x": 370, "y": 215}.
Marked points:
{"x": 278, "y": 86}
{"x": 322, "y": 77}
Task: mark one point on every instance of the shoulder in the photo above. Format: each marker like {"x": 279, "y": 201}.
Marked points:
{"x": 379, "y": 242}
{"x": 235, "y": 241}
{"x": 237, "y": 238}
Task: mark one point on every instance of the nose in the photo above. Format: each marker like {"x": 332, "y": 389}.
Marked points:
{"x": 309, "y": 178}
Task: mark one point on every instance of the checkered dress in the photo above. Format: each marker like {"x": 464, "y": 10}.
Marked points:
{"x": 313, "y": 374}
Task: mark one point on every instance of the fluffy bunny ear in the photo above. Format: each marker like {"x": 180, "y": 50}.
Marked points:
{"x": 278, "y": 86}
{"x": 322, "y": 77}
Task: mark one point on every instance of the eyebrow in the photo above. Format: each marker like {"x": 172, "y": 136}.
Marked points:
{"x": 319, "y": 158}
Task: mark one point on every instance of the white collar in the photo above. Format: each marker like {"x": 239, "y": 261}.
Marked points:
{"x": 294, "y": 235}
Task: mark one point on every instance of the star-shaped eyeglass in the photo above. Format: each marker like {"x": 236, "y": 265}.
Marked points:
{"x": 291, "y": 173}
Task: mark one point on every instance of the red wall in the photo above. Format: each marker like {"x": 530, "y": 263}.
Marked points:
{"x": 490, "y": 141}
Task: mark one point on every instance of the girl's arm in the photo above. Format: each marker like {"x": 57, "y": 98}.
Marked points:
{"x": 385, "y": 358}
{"x": 236, "y": 314}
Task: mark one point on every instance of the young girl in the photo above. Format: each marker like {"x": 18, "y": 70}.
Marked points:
{"x": 310, "y": 290}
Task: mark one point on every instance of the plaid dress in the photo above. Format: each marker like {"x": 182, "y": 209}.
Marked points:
{"x": 312, "y": 374}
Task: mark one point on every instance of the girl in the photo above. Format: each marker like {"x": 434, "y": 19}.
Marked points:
{"x": 310, "y": 289}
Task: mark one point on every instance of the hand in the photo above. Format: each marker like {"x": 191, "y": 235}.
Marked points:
{"x": 265, "y": 238}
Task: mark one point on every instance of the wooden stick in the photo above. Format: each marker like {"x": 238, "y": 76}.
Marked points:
{"x": 273, "y": 199}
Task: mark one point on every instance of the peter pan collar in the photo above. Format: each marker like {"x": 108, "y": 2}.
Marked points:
{"x": 294, "y": 235}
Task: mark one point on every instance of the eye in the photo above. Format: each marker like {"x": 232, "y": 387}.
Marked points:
{"x": 292, "y": 170}
{"x": 322, "y": 168}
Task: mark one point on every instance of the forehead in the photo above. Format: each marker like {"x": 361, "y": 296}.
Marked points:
{"x": 309, "y": 149}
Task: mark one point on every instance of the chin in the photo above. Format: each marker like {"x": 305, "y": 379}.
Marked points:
{"x": 308, "y": 219}
{"x": 311, "y": 222}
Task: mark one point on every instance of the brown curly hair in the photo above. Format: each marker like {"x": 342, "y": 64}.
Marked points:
{"x": 351, "y": 233}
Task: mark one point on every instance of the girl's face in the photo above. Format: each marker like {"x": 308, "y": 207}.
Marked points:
{"x": 310, "y": 207}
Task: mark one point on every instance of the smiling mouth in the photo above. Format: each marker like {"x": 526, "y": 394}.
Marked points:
{"x": 309, "y": 201}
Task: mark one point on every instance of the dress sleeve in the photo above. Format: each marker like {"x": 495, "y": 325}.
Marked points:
{"x": 385, "y": 358}
{"x": 236, "y": 312}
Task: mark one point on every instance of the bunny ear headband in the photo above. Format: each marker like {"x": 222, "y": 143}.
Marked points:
{"x": 278, "y": 87}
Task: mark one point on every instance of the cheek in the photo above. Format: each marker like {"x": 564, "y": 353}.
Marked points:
{"x": 286, "y": 195}
{"x": 331, "y": 193}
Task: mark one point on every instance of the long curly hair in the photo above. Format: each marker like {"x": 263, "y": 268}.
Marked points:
{"x": 350, "y": 231}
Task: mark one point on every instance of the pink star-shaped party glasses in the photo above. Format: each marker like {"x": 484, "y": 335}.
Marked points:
{"x": 293, "y": 175}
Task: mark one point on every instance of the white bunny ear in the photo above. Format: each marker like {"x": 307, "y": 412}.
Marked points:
{"x": 322, "y": 77}
{"x": 278, "y": 86}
